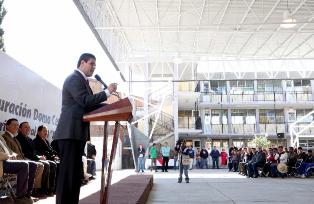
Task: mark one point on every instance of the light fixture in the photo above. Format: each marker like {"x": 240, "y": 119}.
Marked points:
{"x": 288, "y": 21}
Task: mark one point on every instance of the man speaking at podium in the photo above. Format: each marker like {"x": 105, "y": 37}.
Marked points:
{"x": 72, "y": 133}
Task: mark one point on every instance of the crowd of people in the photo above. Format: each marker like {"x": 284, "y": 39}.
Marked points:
{"x": 35, "y": 161}
{"x": 272, "y": 162}
{"x": 251, "y": 162}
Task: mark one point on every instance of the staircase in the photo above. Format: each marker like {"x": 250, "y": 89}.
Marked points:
{"x": 303, "y": 127}
{"x": 164, "y": 127}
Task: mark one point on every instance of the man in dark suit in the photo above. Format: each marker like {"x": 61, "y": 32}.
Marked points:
{"x": 72, "y": 133}
{"x": 29, "y": 152}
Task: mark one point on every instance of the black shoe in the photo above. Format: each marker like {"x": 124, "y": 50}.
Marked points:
{"x": 180, "y": 180}
{"x": 166, "y": 171}
{"x": 23, "y": 200}
{"x": 92, "y": 178}
{"x": 84, "y": 182}
{"x": 187, "y": 181}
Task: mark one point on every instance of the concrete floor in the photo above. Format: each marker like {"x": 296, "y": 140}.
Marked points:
{"x": 220, "y": 186}
{"x": 214, "y": 186}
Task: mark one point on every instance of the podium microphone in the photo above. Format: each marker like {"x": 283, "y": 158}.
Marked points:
{"x": 97, "y": 77}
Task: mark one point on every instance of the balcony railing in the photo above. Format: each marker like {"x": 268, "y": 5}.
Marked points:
{"x": 257, "y": 96}
{"x": 243, "y": 128}
{"x": 272, "y": 128}
{"x": 186, "y": 122}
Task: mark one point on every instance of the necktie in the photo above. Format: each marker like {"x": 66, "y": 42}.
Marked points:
{"x": 88, "y": 87}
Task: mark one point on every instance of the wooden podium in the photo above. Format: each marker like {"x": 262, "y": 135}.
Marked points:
{"x": 118, "y": 111}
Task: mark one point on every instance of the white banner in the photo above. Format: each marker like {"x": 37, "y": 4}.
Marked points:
{"x": 26, "y": 96}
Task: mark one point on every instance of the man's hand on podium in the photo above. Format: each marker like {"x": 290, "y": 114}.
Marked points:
{"x": 112, "y": 88}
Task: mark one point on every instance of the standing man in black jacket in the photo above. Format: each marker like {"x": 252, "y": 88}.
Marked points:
{"x": 72, "y": 133}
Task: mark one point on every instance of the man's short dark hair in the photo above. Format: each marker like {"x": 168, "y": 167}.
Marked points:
{"x": 41, "y": 127}
{"x": 10, "y": 121}
{"x": 22, "y": 123}
{"x": 85, "y": 57}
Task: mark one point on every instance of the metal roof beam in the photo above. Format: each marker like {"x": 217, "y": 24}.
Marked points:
{"x": 158, "y": 24}
{"x": 278, "y": 28}
{"x": 199, "y": 23}
{"x": 238, "y": 25}
{"x": 178, "y": 25}
{"x": 139, "y": 23}
{"x": 265, "y": 19}
{"x": 299, "y": 45}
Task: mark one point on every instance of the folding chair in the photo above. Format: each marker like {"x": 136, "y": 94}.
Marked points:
{"x": 8, "y": 185}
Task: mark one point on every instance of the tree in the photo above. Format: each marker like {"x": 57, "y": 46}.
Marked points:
{"x": 260, "y": 141}
{"x": 3, "y": 12}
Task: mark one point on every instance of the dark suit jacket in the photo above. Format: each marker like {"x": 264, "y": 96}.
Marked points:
{"x": 77, "y": 99}
{"x": 27, "y": 147}
{"x": 91, "y": 151}
{"x": 42, "y": 147}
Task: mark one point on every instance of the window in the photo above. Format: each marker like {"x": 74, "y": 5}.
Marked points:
{"x": 218, "y": 87}
{"x": 242, "y": 87}
{"x": 302, "y": 112}
{"x": 302, "y": 82}
{"x": 237, "y": 116}
{"x": 269, "y": 86}
{"x": 271, "y": 116}
{"x": 219, "y": 117}
{"x": 242, "y": 116}
{"x": 206, "y": 86}
{"x": 185, "y": 113}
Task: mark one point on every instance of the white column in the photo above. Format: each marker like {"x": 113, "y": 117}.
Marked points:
{"x": 312, "y": 86}
{"x": 175, "y": 108}
{"x": 257, "y": 122}
{"x": 146, "y": 90}
{"x": 228, "y": 91}
{"x": 229, "y": 121}
{"x": 255, "y": 91}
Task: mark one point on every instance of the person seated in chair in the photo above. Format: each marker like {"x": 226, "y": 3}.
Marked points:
{"x": 260, "y": 161}
{"x": 42, "y": 147}
{"x": 91, "y": 155}
{"x": 307, "y": 165}
{"x": 292, "y": 159}
{"x": 282, "y": 158}
{"x": 9, "y": 164}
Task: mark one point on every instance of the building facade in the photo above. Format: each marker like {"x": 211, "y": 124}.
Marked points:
{"x": 229, "y": 112}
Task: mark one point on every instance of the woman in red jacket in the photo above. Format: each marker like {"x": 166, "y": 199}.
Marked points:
{"x": 223, "y": 156}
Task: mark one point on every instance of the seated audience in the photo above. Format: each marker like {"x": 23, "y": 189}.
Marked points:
{"x": 42, "y": 147}
{"x": 259, "y": 162}
{"x": 282, "y": 158}
{"x": 35, "y": 169}
{"x": 21, "y": 168}
{"x": 30, "y": 153}
{"x": 307, "y": 165}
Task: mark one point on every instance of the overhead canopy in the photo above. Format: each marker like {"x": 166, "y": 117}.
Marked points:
{"x": 143, "y": 34}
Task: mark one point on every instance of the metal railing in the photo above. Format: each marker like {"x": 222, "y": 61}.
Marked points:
{"x": 303, "y": 127}
{"x": 257, "y": 96}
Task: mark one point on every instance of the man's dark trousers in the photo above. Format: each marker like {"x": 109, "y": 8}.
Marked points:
{"x": 69, "y": 184}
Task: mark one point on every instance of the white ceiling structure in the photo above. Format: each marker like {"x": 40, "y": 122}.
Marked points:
{"x": 204, "y": 37}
